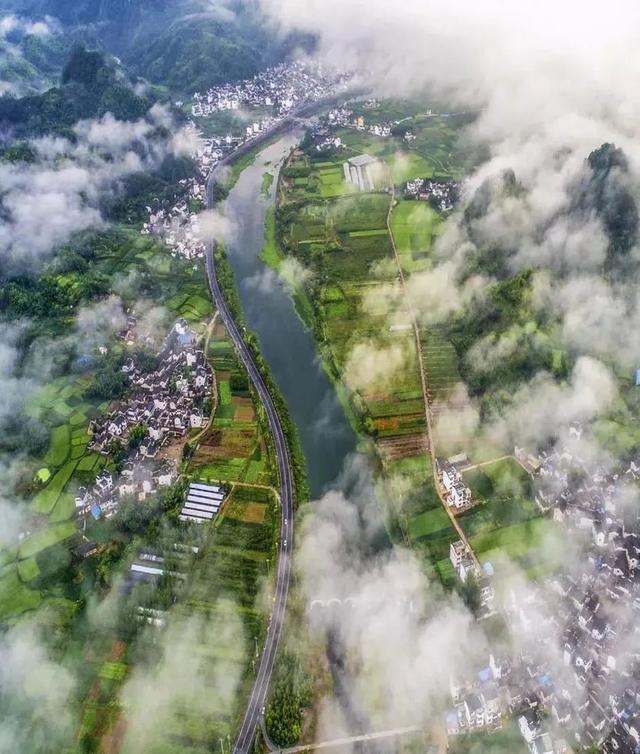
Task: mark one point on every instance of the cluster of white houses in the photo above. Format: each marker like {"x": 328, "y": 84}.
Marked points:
{"x": 167, "y": 401}
{"x": 203, "y": 502}
{"x": 575, "y": 681}
{"x": 343, "y": 117}
{"x": 178, "y": 227}
{"x": 520, "y": 689}
{"x": 176, "y": 223}
{"x": 442, "y": 195}
{"x": 594, "y": 609}
{"x": 136, "y": 481}
{"x": 278, "y": 89}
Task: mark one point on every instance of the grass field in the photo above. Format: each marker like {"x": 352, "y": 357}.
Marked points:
{"x": 270, "y": 253}
{"x": 414, "y": 226}
{"x": 506, "y": 524}
{"x": 45, "y": 538}
{"x": 504, "y": 491}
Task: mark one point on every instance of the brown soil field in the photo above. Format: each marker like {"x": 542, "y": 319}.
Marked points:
{"x": 251, "y": 513}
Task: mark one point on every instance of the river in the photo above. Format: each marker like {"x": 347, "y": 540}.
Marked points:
{"x": 286, "y": 344}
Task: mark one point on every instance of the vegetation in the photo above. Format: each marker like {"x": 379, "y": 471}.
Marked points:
{"x": 291, "y": 694}
{"x": 90, "y": 88}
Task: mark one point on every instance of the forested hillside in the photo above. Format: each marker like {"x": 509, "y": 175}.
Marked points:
{"x": 182, "y": 44}
{"x": 90, "y": 87}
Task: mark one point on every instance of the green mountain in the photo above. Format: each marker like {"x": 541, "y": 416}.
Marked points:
{"x": 91, "y": 86}
{"x": 181, "y": 44}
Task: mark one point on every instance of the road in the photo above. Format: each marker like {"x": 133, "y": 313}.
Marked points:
{"x": 342, "y": 742}
{"x": 258, "y": 696}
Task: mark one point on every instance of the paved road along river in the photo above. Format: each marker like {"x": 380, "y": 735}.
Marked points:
{"x": 289, "y": 350}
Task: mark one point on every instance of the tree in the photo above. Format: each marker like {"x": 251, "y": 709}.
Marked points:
{"x": 239, "y": 383}
{"x": 291, "y": 695}
{"x": 83, "y": 67}
{"x": 470, "y": 592}
{"x": 608, "y": 194}
{"x": 117, "y": 452}
{"x": 137, "y": 435}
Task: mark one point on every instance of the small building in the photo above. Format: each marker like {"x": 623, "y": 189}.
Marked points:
{"x": 474, "y": 710}
{"x": 86, "y": 550}
{"x": 459, "y": 494}
{"x": 458, "y": 551}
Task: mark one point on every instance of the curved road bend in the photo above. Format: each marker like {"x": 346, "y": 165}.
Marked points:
{"x": 261, "y": 686}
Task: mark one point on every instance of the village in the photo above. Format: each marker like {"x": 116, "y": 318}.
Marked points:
{"x": 279, "y": 89}
{"x": 442, "y": 195}
{"x": 585, "y": 700}
{"x": 162, "y": 405}
{"x": 574, "y": 680}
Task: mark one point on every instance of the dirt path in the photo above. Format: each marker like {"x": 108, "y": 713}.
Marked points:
{"x": 473, "y": 466}
{"x": 431, "y": 447}
{"x": 214, "y": 396}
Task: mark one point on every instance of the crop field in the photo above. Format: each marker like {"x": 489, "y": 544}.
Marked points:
{"x": 414, "y": 225}
{"x": 209, "y": 635}
{"x": 409, "y": 165}
{"x": 221, "y": 616}
{"x": 441, "y": 141}
{"x": 234, "y": 449}
{"x": 424, "y": 521}
{"x": 315, "y": 178}
{"x": 441, "y": 363}
{"x": 345, "y": 243}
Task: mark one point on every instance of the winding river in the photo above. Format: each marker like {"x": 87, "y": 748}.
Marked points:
{"x": 286, "y": 344}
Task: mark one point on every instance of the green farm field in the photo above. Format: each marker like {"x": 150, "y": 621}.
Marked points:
{"x": 507, "y": 525}
{"x": 415, "y": 226}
